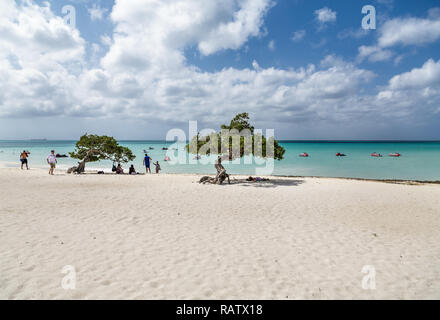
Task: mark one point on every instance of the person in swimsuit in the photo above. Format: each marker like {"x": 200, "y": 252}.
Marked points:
{"x": 157, "y": 167}
{"x": 23, "y": 159}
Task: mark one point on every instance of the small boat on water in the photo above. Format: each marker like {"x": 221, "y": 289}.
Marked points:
{"x": 164, "y": 148}
{"x": 61, "y": 155}
{"x": 340, "y": 154}
{"x": 304, "y": 155}
{"x": 374, "y": 154}
{"x": 394, "y": 155}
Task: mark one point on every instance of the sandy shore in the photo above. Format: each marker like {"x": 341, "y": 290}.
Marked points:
{"x": 167, "y": 237}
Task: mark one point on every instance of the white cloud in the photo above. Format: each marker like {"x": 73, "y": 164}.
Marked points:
{"x": 145, "y": 74}
{"x": 434, "y": 13}
{"x": 325, "y": 15}
{"x": 36, "y": 36}
{"x": 159, "y": 31}
{"x": 96, "y": 12}
{"x": 387, "y": 3}
{"x": 106, "y": 40}
{"x": 404, "y": 32}
{"x": 352, "y": 33}
{"x": 373, "y": 53}
{"x": 409, "y": 31}
{"x": 298, "y": 35}
{"x": 271, "y": 45}
{"x": 426, "y": 76}
{"x": 247, "y": 22}
{"x": 413, "y": 93}
{"x": 38, "y": 56}
{"x": 255, "y": 65}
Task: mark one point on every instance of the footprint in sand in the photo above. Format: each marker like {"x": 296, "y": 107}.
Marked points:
{"x": 31, "y": 268}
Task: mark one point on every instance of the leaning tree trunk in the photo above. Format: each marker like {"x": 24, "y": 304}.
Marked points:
{"x": 220, "y": 177}
{"x": 81, "y": 167}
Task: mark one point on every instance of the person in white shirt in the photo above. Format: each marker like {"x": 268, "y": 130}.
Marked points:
{"x": 52, "y": 161}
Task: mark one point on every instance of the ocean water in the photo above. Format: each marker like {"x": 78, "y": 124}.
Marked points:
{"x": 419, "y": 160}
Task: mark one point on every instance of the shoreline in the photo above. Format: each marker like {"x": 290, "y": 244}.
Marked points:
{"x": 391, "y": 181}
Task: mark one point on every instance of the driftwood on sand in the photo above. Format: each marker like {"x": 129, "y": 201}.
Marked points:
{"x": 220, "y": 177}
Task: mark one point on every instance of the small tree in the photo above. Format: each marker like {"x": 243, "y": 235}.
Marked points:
{"x": 92, "y": 148}
{"x": 233, "y": 143}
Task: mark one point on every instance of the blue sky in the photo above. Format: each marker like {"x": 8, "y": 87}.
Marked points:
{"x": 135, "y": 69}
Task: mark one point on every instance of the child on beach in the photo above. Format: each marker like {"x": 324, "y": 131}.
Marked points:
{"x": 52, "y": 161}
{"x": 157, "y": 167}
{"x": 23, "y": 159}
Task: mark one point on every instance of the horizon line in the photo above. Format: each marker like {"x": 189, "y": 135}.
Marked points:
{"x": 279, "y": 140}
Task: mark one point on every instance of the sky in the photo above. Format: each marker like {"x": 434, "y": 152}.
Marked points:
{"x": 134, "y": 69}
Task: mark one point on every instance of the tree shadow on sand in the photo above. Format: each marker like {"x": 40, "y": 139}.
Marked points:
{"x": 271, "y": 183}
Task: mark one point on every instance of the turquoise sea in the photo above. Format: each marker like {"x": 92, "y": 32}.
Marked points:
{"x": 419, "y": 160}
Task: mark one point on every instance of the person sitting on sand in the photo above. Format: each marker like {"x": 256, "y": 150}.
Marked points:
{"x": 23, "y": 159}
{"x": 157, "y": 167}
{"x": 132, "y": 170}
{"x": 119, "y": 169}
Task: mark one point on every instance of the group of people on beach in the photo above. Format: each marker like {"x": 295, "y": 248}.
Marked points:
{"x": 146, "y": 163}
{"x": 52, "y": 162}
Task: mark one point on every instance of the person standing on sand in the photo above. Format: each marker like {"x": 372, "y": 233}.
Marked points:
{"x": 146, "y": 163}
{"x": 52, "y": 161}
{"x": 23, "y": 159}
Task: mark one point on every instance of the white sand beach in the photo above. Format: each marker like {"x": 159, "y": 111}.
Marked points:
{"x": 168, "y": 237}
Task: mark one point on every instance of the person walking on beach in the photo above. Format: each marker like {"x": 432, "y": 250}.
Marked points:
{"x": 147, "y": 163}
{"x": 23, "y": 159}
{"x": 52, "y": 161}
{"x": 157, "y": 167}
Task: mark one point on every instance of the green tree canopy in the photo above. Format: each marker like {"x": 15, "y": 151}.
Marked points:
{"x": 245, "y": 140}
{"x": 240, "y": 122}
{"x": 93, "y": 148}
